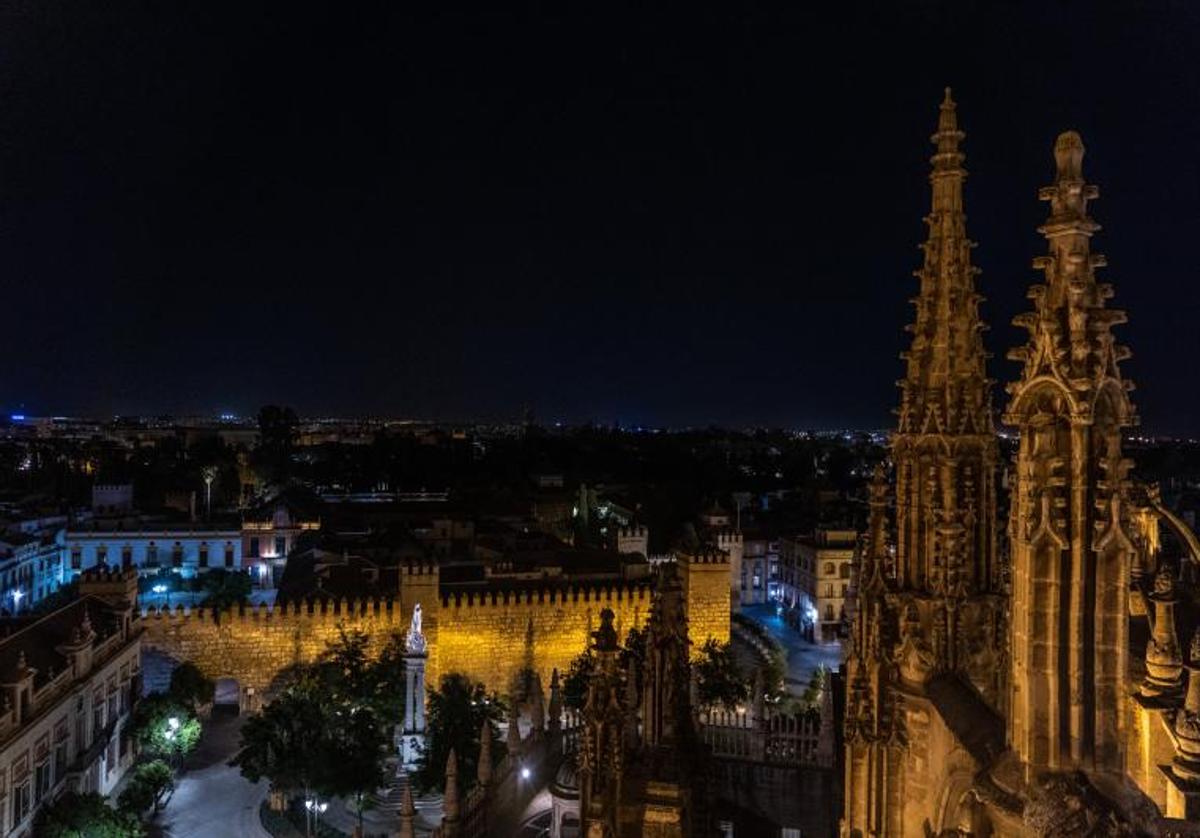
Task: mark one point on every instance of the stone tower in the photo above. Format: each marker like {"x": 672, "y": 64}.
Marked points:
{"x": 929, "y": 600}
{"x": 1069, "y": 527}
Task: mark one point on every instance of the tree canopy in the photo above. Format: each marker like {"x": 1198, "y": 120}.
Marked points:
{"x": 457, "y": 711}
{"x": 85, "y": 816}
{"x": 165, "y": 727}
{"x": 719, "y": 679}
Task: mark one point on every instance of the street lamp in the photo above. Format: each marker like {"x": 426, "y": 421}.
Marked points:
{"x": 210, "y": 474}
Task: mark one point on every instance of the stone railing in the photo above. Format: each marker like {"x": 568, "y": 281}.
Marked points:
{"x": 776, "y": 738}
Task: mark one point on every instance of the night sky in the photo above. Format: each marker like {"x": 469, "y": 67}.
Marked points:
{"x": 642, "y": 216}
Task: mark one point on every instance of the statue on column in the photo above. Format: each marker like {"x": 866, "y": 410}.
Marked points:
{"x": 412, "y": 738}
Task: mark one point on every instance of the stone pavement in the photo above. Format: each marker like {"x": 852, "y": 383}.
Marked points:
{"x": 210, "y": 797}
{"x": 803, "y": 657}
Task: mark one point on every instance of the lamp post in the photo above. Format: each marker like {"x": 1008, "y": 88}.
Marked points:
{"x": 210, "y": 474}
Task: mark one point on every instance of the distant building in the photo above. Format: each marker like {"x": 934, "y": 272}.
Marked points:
{"x": 186, "y": 547}
{"x": 826, "y": 561}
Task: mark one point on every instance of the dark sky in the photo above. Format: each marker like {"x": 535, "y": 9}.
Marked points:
{"x": 660, "y": 217}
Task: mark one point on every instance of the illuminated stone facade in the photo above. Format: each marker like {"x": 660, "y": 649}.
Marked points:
{"x": 490, "y": 635}
{"x": 992, "y": 698}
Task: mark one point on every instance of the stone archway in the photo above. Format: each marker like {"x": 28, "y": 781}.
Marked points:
{"x": 228, "y": 697}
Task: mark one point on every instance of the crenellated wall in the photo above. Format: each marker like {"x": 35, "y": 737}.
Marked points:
{"x": 489, "y": 635}
{"x": 255, "y": 644}
{"x": 493, "y": 637}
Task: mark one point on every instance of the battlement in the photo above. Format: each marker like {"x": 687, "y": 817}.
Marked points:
{"x": 707, "y": 557}
{"x": 728, "y": 538}
{"x": 418, "y": 569}
{"x": 320, "y": 608}
{"x": 546, "y": 595}
{"x": 117, "y": 585}
{"x": 638, "y": 531}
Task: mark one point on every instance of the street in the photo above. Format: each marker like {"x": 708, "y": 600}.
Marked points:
{"x": 210, "y": 797}
{"x": 803, "y": 657}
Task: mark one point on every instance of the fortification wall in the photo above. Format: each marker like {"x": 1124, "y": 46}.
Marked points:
{"x": 707, "y": 597}
{"x": 255, "y": 644}
{"x": 493, "y": 638}
{"x": 490, "y": 636}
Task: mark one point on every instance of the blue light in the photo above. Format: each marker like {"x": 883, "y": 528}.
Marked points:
{"x": 18, "y": 417}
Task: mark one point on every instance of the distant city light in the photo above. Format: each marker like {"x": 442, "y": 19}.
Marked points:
{"x": 159, "y": 588}
{"x": 525, "y": 772}
{"x": 18, "y": 417}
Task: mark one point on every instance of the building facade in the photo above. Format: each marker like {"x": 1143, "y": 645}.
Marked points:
{"x": 188, "y": 549}
{"x": 68, "y": 682}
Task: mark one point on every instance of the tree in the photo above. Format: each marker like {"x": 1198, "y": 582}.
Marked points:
{"x": 146, "y": 787}
{"x": 575, "y": 682}
{"x": 286, "y": 742}
{"x": 719, "y": 680}
{"x": 353, "y": 765}
{"x": 457, "y": 711}
{"x": 226, "y": 588}
{"x": 165, "y": 727}
{"x": 85, "y": 816}
{"x": 190, "y": 686}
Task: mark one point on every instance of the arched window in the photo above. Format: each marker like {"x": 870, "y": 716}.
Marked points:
{"x": 830, "y": 570}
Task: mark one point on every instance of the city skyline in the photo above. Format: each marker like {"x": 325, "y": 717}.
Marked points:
{"x": 697, "y": 221}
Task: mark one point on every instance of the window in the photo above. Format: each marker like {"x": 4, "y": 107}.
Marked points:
{"x": 152, "y": 555}
{"x": 228, "y": 555}
{"x": 126, "y": 556}
{"x": 102, "y": 554}
{"x": 844, "y": 589}
{"x": 829, "y": 591}
{"x": 845, "y": 570}
{"x": 254, "y": 547}
{"x": 829, "y": 613}
{"x": 20, "y": 803}
{"x": 177, "y": 555}
{"x": 111, "y": 757}
{"x": 76, "y": 558}
{"x": 757, "y": 581}
{"x": 41, "y": 785}
{"x": 60, "y": 760}
{"x": 202, "y": 556}
{"x": 280, "y": 547}
{"x": 830, "y": 570}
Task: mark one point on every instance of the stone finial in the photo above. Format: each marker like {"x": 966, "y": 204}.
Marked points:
{"x": 484, "y": 773}
{"x": 1068, "y": 156}
{"x": 513, "y": 738}
{"x": 605, "y": 637}
{"x": 450, "y": 798}
{"x": 538, "y": 711}
{"x": 1164, "y": 581}
{"x": 556, "y": 706}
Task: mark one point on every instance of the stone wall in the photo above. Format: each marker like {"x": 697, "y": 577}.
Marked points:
{"x": 490, "y": 636}
{"x": 255, "y": 644}
{"x": 706, "y": 592}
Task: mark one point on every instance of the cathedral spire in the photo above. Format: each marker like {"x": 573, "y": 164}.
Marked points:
{"x": 945, "y": 389}
{"x": 1072, "y": 530}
